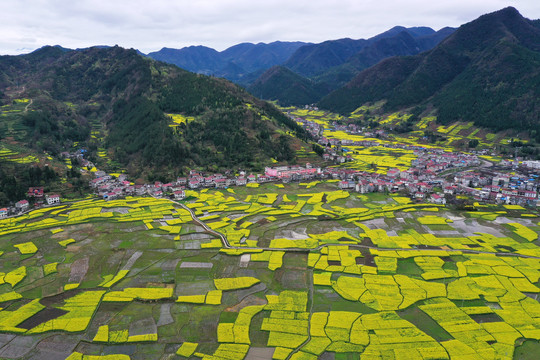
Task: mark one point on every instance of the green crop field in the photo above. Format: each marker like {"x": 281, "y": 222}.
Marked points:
{"x": 307, "y": 271}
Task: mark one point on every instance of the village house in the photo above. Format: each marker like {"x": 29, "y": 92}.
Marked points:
{"x": 22, "y": 205}
{"x": 530, "y": 195}
{"x": 532, "y": 164}
{"x": 347, "y": 185}
{"x": 52, "y": 199}
{"x": 3, "y": 213}
{"x": 220, "y": 183}
{"x": 283, "y": 171}
{"x": 491, "y": 188}
{"x": 424, "y": 187}
{"x": 364, "y": 187}
{"x": 209, "y": 181}
{"x": 193, "y": 184}
{"x": 262, "y": 178}
{"x": 393, "y": 173}
{"x": 177, "y": 187}
{"x": 140, "y": 190}
{"x": 103, "y": 189}
{"x": 181, "y": 181}
{"x": 437, "y": 199}
{"x": 179, "y": 195}
{"x": 451, "y": 190}
{"x": 241, "y": 181}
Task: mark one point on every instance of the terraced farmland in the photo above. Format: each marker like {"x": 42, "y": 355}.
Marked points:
{"x": 380, "y": 158}
{"x": 295, "y": 271}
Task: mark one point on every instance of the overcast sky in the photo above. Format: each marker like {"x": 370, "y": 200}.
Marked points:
{"x": 149, "y": 25}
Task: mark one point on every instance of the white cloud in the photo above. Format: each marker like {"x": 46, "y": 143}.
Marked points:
{"x": 150, "y": 25}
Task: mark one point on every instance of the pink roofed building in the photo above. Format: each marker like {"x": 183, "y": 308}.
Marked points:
{"x": 286, "y": 171}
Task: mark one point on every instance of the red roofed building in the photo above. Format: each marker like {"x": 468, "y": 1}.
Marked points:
{"x": 22, "y": 205}
{"x": 180, "y": 195}
{"x": 35, "y": 192}
{"x": 52, "y": 199}
{"x": 437, "y": 199}
{"x": 220, "y": 183}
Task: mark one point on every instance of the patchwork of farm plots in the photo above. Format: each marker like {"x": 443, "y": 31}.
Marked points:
{"x": 380, "y": 158}
{"x": 307, "y": 271}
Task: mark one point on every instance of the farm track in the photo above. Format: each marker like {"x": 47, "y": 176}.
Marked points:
{"x": 223, "y": 238}
{"x": 28, "y": 105}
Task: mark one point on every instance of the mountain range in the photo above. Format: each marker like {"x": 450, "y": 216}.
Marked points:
{"x": 487, "y": 71}
{"x": 317, "y": 69}
{"x": 320, "y": 68}
{"x": 236, "y": 63}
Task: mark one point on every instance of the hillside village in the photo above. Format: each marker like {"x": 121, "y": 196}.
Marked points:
{"x": 435, "y": 176}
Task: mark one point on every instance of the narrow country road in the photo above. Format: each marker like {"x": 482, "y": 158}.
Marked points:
{"x": 223, "y": 238}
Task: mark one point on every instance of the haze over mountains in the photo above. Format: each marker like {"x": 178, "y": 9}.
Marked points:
{"x": 324, "y": 67}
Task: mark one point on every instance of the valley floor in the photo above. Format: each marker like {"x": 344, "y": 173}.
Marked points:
{"x": 294, "y": 271}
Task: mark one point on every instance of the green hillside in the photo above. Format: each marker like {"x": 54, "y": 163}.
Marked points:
{"x": 126, "y": 108}
{"x": 280, "y": 83}
{"x": 487, "y": 72}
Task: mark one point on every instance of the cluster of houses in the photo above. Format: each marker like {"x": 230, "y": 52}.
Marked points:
{"x": 38, "y": 194}
{"x": 109, "y": 187}
{"x": 316, "y": 129}
{"x": 496, "y": 188}
{"x": 437, "y": 160}
{"x": 337, "y": 152}
{"x": 22, "y": 206}
{"x": 501, "y": 188}
{"x": 424, "y": 181}
{"x": 425, "y": 172}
